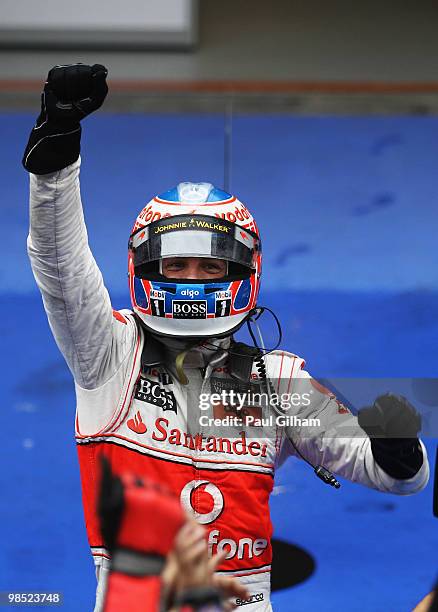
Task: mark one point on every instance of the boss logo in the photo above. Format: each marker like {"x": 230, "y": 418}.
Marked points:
{"x": 197, "y": 309}
{"x": 153, "y": 393}
{"x": 190, "y": 292}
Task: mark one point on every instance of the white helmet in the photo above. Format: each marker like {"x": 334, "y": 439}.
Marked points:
{"x": 194, "y": 220}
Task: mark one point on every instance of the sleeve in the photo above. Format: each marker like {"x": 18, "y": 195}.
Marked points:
{"x": 328, "y": 434}
{"x": 76, "y": 301}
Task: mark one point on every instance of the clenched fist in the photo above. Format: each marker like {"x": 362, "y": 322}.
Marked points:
{"x": 70, "y": 93}
{"x": 393, "y": 425}
{"x": 73, "y": 92}
{"x": 391, "y": 416}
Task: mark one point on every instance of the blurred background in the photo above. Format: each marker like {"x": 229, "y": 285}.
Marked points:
{"x": 322, "y": 118}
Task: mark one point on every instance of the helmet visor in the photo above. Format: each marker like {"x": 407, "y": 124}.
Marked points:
{"x": 194, "y": 236}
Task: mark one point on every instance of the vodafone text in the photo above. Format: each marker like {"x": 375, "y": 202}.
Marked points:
{"x": 244, "y": 548}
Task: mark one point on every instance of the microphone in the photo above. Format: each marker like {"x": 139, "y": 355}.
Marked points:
{"x": 326, "y": 476}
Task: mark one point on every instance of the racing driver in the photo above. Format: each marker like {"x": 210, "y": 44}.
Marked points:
{"x": 194, "y": 267}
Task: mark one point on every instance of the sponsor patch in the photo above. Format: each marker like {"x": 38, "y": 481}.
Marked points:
{"x": 257, "y": 597}
{"x": 163, "y": 377}
{"x": 159, "y": 295}
{"x": 190, "y": 292}
{"x": 223, "y": 295}
{"x": 157, "y": 307}
{"x": 198, "y": 224}
{"x": 136, "y": 424}
{"x": 223, "y": 308}
{"x": 195, "y": 309}
{"x": 153, "y": 393}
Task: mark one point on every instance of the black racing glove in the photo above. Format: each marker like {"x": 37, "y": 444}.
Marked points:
{"x": 393, "y": 424}
{"x": 70, "y": 93}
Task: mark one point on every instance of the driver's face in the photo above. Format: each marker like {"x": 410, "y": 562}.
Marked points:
{"x": 194, "y": 267}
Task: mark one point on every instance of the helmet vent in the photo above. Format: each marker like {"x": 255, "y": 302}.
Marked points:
{"x": 194, "y": 193}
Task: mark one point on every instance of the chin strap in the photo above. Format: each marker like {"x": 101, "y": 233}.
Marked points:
{"x": 179, "y": 363}
{"x": 218, "y": 357}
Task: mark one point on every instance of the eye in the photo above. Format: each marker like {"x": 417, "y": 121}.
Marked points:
{"x": 174, "y": 265}
{"x": 214, "y": 267}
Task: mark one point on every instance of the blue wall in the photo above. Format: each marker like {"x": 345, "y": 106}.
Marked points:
{"x": 348, "y": 212}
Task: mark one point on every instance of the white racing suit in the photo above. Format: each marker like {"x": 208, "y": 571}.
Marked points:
{"x": 138, "y": 414}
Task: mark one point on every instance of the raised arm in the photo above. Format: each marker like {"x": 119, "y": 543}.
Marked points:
{"x": 75, "y": 298}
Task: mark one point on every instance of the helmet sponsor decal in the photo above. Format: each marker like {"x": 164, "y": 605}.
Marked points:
{"x": 193, "y": 309}
{"x": 182, "y": 301}
{"x": 191, "y": 224}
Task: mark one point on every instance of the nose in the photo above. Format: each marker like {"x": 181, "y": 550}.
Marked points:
{"x": 193, "y": 271}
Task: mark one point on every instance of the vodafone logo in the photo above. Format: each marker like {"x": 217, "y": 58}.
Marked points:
{"x": 206, "y": 495}
{"x": 196, "y": 489}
